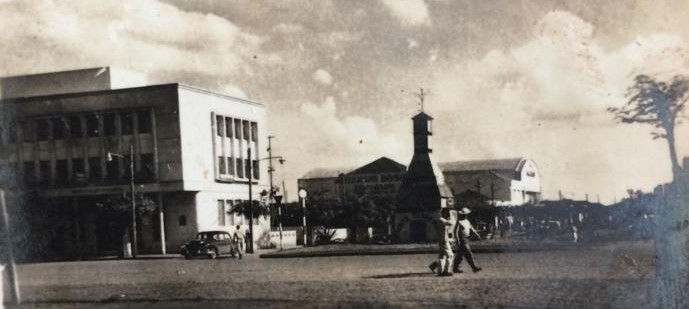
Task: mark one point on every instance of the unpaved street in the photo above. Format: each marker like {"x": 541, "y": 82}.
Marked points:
{"x": 610, "y": 276}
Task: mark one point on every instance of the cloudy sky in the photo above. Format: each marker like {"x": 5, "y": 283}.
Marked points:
{"x": 507, "y": 78}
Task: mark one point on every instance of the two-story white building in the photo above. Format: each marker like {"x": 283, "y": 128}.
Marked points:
{"x": 66, "y": 140}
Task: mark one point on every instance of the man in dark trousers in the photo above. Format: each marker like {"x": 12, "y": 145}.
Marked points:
{"x": 464, "y": 231}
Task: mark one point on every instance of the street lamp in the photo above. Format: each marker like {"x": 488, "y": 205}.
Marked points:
{"x": 131, "y": 188}
{"x": 302, "y": 197}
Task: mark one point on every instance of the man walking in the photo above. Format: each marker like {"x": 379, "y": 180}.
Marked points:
{"x": 238, "y": 239}
{"x": 445, "y": 255}
{"x": 464, "y": 231}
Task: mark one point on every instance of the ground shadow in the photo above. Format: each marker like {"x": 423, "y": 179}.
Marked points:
{"x": 402, "y": 275}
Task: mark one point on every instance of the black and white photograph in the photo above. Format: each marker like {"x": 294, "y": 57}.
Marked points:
{"x": 344, "y": 154}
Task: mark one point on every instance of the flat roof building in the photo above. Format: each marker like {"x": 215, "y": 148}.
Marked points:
{"x": 66, "y": 140}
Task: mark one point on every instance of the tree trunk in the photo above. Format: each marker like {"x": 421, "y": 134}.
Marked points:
{"x": 676, "y": 169}
{"x": 672, "y": 247}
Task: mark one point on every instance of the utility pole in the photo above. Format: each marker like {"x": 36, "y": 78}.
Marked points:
{"x": 11, "y": 269}
{"x": 131, "y": 190}
{"x": 251, "y": 204}
{"x": 132, "y": 193}
{"x": 272, "y": 195}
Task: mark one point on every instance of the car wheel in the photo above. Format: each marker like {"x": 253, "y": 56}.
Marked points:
{"x": 213, "y": 254}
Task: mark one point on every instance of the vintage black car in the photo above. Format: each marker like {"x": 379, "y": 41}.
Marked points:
{"x": 210, "y": 244}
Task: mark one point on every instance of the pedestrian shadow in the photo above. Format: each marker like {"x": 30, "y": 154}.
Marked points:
{"x": 402, "y": 275}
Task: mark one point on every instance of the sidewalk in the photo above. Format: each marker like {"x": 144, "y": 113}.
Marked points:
{"x": 494, "y": 246}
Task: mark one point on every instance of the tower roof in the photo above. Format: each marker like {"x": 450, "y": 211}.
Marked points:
{"x": 422, "y": 115}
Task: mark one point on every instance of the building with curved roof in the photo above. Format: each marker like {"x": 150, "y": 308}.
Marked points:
{"x": 504, "y": 182}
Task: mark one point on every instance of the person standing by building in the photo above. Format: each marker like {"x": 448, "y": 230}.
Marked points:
{"x": 239, "y": 240}
{"x": 445, "y": 255}
{"x": 464, "y": 231}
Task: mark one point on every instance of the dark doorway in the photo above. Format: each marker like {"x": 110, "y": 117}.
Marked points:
{"x": 113, "y": 217}
{"x": 417, "y": 231}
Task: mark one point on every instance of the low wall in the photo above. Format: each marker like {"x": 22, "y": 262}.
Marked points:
{"x": 289, "y": 239}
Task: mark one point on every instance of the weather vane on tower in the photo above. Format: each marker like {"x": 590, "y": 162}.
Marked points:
{"x": 421, "y": 95}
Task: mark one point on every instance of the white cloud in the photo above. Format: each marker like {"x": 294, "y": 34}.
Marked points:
{"x": 324, "y": 135}
{"x": 411, "y": 43}
{"x": 139, "y": 35}
{"x": 409, "y": 12}
{"x": 547, "y": 97}
{"x": 288, "y": 28}
{"x": 322, "y": 76}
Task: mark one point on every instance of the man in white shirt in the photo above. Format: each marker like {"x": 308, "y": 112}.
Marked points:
{"x": 238, "y": 238}
{"x": 445, "y": 255}
{"x": 464, "y": 231}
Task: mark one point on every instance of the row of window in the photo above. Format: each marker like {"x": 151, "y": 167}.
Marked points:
{"x": 75, "y": 126}
{"x": 236, "y": 128}
{"x": 373, "y": 178}
{"x": 239, "y": 167}
{"x": 92, "y": 170}
{"x": 226, "y": 219}
{"x": 231, "y": 160}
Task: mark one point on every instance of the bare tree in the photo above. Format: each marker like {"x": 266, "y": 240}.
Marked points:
{"x": 659, "y": 104}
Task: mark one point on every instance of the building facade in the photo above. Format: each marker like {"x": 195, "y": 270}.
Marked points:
{"x": 68, "y": 145}
{"x": 503, "y": 182}
{"x": 379, "y": 178}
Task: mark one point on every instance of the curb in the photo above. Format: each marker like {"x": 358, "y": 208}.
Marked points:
{"x": 424, "y": 250}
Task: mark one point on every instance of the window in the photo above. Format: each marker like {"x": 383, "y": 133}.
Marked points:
{"x": 12, "y": 134}
{"x": 255, "y": 168}
{"x": 245, "y": 129}
{"x": 75, "y": 127}
{"x": 144, "y": 118}
{"x": 240, "y": 168}
{"x": 247, "y": 167}
{"x": 182, "y": 220}
{"x": 60, "y": 128}
{"x": 147, "y": 166}
{"x": 94, "y": 168}
{"x": 228, "y": 127}
{"x": 29, "y": 172}
{"x": 228, "y": 210}
{"x": 112, "y": 169}
{"x": 230, "y": 166}
{"x": 221, "y": 165}
{"x": 42, "y": 129}
{"x": 237, "y": 128}
{"x": 78, "y": 172}
{"x": 241, "y": 218}
{"x": 127, "y": 123}
{"x": 78, "y": 165}
{"x": 109, "y": 127}
{"x": 221, "y": 212}
{"x": 254, "y": 131}
{"x": 61, "y": 171}
{"x": 27, "y": 131}
{"x": 44, "y": 169}
{"x": 92, "y": 129}
{"x": 219, "y": 125}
